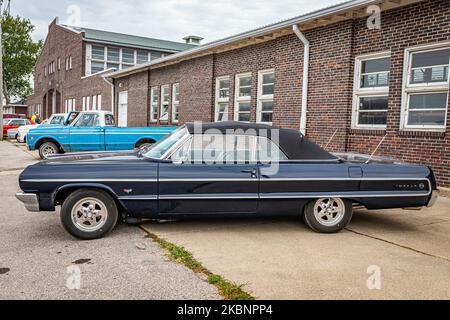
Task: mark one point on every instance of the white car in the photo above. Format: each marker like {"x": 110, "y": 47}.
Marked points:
{"x": 56, "y": 119}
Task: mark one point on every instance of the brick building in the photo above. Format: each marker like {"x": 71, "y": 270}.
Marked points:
{"x": 364, "y": 84}
{"x": 68, "y": 73}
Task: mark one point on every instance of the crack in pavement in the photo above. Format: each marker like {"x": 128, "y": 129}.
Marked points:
{"x": 398, "y": 245}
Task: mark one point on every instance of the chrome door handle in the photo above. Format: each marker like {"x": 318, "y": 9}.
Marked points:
{"x": 251, "y": 171}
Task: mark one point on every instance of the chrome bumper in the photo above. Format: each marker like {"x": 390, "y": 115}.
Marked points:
{"x": 433, "y": 198}
{"x": 30, "y": 200}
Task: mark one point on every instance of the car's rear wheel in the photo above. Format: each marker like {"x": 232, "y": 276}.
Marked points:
{"x": 328, "y": 215}
{"x": 47, "y": 149}
{"x": 89, "y": 214}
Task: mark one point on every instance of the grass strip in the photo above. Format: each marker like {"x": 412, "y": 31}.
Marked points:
{"x": 227, "y": 289}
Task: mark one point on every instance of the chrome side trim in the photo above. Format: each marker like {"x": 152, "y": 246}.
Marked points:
{"x": 89, "y": 180}
{"x": 374, "y": 194}
{"x": 209, "y": 196}
{"x": 143, "y": 197}
{"x": 280, "y": 195}
{"x": 30, "y": 200}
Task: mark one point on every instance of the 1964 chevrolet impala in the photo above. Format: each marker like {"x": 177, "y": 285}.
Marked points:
{"x": 220, "y": 169}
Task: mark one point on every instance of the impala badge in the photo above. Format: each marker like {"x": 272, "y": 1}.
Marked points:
{"x": 128, "y": 191}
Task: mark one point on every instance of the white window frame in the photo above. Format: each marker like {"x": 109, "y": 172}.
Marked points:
{"x": 175, "y": 103}
{"x": 154, "y": 105}
{"x": 263, "y": 97}
{"x": 99, "y": 102}
{"x": 94, "y": 102}
{"x": 220, "y": 100}
{"x": 163, "y": 103}
{"x": 238, "y": 99}
{"x": 359, "y": 92}
{"x": 417, "y": 88}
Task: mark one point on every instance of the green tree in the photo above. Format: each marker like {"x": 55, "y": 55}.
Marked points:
{"x": 20, "y": 53}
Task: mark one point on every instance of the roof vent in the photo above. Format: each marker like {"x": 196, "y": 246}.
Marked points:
{"x": 194, "y": 40}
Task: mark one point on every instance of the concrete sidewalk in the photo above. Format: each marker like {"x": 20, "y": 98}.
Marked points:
{"x": 283, "y": 259}
{"x": 14, "y": 157}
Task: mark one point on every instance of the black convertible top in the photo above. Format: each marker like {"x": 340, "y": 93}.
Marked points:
{"x": 294, "y": 144}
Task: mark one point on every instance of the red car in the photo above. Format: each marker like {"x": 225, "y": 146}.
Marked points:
{"x": 14, "y": 115}
{"x": 14, "y": 123}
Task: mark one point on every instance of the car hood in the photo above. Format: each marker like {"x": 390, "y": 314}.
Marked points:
{"x": 29, "y": 127}
{"x": 89, "y": 157}
{"x": 46, "y": 128}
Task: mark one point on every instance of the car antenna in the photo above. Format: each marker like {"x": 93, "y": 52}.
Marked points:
{"x": 370, "y": 158}
{"x": 331, "y": 138}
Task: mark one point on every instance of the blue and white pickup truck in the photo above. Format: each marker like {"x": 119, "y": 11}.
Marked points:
{"x": 91, "y": 131}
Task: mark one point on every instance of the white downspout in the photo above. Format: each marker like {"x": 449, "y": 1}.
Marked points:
{"x": 304, "y": 110}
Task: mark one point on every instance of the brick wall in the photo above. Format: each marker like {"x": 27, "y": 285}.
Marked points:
{"x": 137, "y": 88}
{"x": 62, "y": 43}
{"x": 333, "y": 51}
{"x": 423, "y": 23}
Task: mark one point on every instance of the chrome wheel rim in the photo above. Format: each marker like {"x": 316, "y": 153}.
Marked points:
{"x": 329, "y": 211}
{"x": 48, "y": 150}
{"x": 89, "y": 214}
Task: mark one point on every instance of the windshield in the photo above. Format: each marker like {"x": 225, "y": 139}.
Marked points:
{"x": 163, "y": 145}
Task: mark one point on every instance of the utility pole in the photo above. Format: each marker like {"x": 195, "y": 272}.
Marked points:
{"x": 1, "y": 71}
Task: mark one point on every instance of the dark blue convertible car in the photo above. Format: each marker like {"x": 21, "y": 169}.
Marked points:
{"x": 220, "y": 169}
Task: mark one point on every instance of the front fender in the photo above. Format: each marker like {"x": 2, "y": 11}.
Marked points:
{"x": 63, "y": 190}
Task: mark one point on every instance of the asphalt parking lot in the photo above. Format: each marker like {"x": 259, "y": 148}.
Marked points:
{"x": 386, "y": 254}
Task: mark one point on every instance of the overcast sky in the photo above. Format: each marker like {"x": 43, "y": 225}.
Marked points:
{"x": 165, "y": 19}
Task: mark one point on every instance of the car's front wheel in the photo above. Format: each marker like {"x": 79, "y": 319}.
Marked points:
{"x": 89, "y": 214}
{"x": 47, "y": 149}
{"x": 328, "y": 215}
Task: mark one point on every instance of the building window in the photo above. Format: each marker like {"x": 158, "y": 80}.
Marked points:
{"x": 222, "y": 98}
{"x": 68, "y": 63}
{"x": 96, "y": 102}
{"x": 51, "y": 67}
{"x": 155, "y": 55}
{"x": 142, "y": 56}
{"x": 165, "y": 97}
{"x": 127, "y": 58}
{"x": 113, "y": 58}
{"x": 102, "y": 58}
{"x": 86, "y": 103}
{"x": 97, "y": 59}
{"x": 266, "y": 86}
{"x": 425, "y": 88}
{"x": 69, "y": 105}
{"x": 45, "y": 71}
{"x": 99, "y": 102}
{"x": 175, "y": 103}
{"x": 59, "y": 63}
{"x": 371, "y": 91}
{"x": 242, "y": 104}
{"x": 154, "y": 97}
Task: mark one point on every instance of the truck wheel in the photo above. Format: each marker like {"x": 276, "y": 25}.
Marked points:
{"x": 328, "y": 215}
{"x": 48, "y": 148}
{"x": 89, "y": 214}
